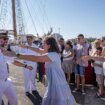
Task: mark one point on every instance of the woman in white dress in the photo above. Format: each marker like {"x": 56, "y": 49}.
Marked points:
{"x": 98, "y": 65}
{"x": 58, "y": 91}
{"x": 67, "y": 64}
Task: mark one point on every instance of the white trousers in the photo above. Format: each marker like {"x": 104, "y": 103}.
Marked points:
{"x": 7, "y": 89}
{"x": 29, "y": 79}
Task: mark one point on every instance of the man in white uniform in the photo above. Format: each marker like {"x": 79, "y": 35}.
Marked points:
{"x": 29, "y": 76}
{"x": 6, "y": 87}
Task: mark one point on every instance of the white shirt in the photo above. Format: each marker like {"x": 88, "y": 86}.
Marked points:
{"x": 66, "y": 55}
{"x": 26, "y": 51}
{"x": 98, "y": 70}
{"x": 3, "y": 65}
{"x": 81, "y": 50}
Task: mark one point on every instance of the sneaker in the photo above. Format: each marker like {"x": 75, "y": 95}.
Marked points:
{"x": 2, "y": 102}
{"x": 83, "y": 92}
{"x": 36, "y": 94}
{"x": 103, "y": 99}
{"x": 98, "y": 95}
{"x": 76, "y": 90}
{"x": 27, "y": 93}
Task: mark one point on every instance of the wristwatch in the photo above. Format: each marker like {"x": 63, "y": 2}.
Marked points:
{"x": 17, "y": 55}
{"x": 25, "y": 66}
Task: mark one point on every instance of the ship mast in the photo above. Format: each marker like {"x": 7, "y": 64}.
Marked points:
{"x": 14, "y": 18}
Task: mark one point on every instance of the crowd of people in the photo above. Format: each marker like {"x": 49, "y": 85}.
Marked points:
{"x": 93, "y": 53}
{"x": 58, "y": 60}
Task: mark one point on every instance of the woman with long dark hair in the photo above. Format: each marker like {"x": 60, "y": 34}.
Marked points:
{"x": 58, "y": 91}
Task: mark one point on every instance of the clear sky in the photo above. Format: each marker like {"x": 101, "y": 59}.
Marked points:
{"x": 69, "y": 17}
{"x": 77, "y": 16}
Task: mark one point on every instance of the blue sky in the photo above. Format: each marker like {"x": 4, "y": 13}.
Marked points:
{"x": 77, "y": 16}
{"x": 69, "y": 17}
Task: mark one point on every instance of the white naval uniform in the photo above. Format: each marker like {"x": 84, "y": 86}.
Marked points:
{"x": 6, "y": 87}
{"x": 29, "y": 75}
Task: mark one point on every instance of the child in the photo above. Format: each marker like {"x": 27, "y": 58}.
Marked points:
{"x": 67, "y": 63}
{"x": 99, "y": 72}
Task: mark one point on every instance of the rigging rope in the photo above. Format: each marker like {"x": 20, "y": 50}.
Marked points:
{"x": 9, "y": 16}
{"x": 19, "y": 17}
{"x": 31, "y": 18}
{"x": 3, "y": 13}
{"x": 25, "y": 21}
{"x": 44, "y": 12}
{"x": 35, "y": 14}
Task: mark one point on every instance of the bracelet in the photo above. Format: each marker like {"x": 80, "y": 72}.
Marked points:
{"x": 25, "y": 66}
{"x": 18, "y": 55}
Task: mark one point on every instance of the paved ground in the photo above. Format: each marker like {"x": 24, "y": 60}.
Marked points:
{"x": 16, "y": 74}
{"x": 89, "y": 98}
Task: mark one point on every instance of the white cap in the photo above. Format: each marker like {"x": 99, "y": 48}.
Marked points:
{"x": 29, "y": 35}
